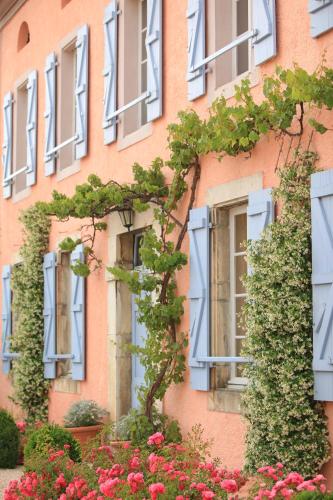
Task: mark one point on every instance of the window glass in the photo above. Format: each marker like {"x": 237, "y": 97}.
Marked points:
{"x": 20, "y": 181}
{"x": 63, "y": 338}
{"x": 228, "y": 292}
{"x": 232, "y": 19}
{"x": 67, "y": 105}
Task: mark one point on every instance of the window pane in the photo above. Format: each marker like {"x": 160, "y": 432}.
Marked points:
{"x": 240, "y": 268}
{"x": 242, "y": 16}
{"x": 240, "y": 301}
{"x": 143, "y": 45}
{"x": 240, "y": 232}
{"x": 144, "y": 13}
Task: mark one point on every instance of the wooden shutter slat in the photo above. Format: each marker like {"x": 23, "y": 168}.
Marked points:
{"x": 264, "y": 21}
{"x": 7, "y": 147}
{"x": 110, "y": 71}
{"x": 50, "y": 112}
{"x": 6, "y": 318}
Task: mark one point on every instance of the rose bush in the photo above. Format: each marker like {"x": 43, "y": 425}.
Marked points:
{"x": 158, "y": 471}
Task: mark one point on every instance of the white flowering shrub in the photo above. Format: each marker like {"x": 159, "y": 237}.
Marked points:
{"x": 285, "y": 424}
{"x": 84, "y": 413}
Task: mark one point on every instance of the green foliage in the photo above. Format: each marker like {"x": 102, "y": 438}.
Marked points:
{"x": 9, "y": 441}
{"x": 84, "y": 413}
{"x": 49, "y": 437}
{"x": 30, "y": 387}
{"x": 137, "y": 428}
{"x": 285, "y": 424}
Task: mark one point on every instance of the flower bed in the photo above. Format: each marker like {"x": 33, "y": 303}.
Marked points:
{"x": 157, "y": 472}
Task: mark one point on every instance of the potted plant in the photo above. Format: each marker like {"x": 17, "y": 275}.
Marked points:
{"x": 84, "y": 420}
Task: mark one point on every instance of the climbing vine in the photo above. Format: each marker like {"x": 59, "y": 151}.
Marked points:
{"x": 286, "y": 424}
{"x": 30, "y": 387}
{"x": 292, "y": 100}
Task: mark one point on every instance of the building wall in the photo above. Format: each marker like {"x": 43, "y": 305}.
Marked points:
{"x": 49, "y": 24}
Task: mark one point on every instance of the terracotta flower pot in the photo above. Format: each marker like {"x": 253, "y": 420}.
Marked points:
{"x": 83, "y": 434}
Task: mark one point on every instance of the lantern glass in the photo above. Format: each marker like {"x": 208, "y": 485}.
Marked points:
{"x": 126, "y": 217}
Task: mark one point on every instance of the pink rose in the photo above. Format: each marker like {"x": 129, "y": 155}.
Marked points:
{"x": 155, "y": 489}
{"x": 156, "y": 439}
{"x": 229, "y": 485}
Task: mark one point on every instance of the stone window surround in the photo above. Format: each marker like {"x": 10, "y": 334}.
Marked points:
{"x": 223, "y": 195}
{"x": 119, "y": 361}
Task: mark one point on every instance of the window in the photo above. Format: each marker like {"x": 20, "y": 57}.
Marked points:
{"x": 19, "y": 153}
{"x": 23, "y": 36}
{"x": 64, "y": 316}
{"x": 133, "y": 68}
{"x": 232, "y": 19}
{"x": 228, "y": 293}
{"x": 20, "y": 139}
{"x": 66, "y": 105}
{"x": 66, "y": 113}
{"x": 232, "y": 28}
{"x": 63, "y": 319}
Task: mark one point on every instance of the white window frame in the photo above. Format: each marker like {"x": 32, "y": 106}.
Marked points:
{"x": 233, "y": 337}
{"x": 19, "y": 85}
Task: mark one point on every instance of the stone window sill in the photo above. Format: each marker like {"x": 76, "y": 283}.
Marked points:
{"x": 226, "y": 400}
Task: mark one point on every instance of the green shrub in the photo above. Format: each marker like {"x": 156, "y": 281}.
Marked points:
{"x": 9, "y": 441}
{"x": 135, "y": 427}
{"x": 49, "y": 436}
{"x": 84, "y": 414}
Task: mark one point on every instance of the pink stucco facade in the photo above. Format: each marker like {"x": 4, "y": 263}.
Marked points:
{"x": 49, "y": 24}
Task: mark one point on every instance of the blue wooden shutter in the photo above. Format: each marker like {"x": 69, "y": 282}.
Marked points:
{"x": 260, "y": 212}
{"x": 322, "y": 283}
{"x": 139, "y": 334}
{"x": 199, "y": 296}
{"x": 81, "y": 93}
{"x": 321, "y": 16}
{"x": 6, "y": 318}
{"x": 196, "y": 48}
{"x": 78, "y": 317}
{"x": 110, "y": 71}
{"x": 7, "y": 147}
{"x": 264, "y": 21}
{"x": 50, "y": 112}
{"x": 49, "y": 355}
{"x": 154, "y": 59}
{"x": 32, "y": 129}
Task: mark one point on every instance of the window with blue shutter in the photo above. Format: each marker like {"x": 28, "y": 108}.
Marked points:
{"x": 216, "y": 299}
{"x": 64, "y": 316}
{"x": 234, "y": 38}
{"x": 321, "y": 16}
{"x": 322, "y": 283}
{"x": 142, "y": 69}
{"x": 70, "y": 107}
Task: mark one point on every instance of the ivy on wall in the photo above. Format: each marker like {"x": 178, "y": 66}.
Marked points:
{"x": 285, "y": 423}
{"x": 30, "y": 387}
